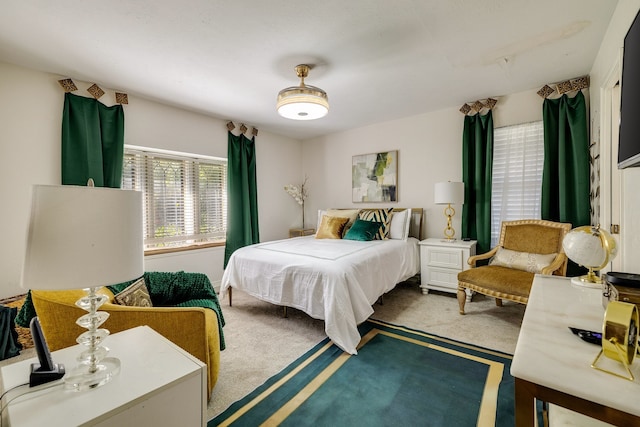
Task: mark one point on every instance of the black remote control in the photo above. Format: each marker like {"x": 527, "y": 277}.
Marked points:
{"x": 588, "y": 336}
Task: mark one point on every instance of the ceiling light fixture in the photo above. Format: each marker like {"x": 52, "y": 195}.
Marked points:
{"x": 303, "y": 102}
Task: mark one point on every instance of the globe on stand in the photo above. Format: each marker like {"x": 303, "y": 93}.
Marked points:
{"x": 590, "y": 247}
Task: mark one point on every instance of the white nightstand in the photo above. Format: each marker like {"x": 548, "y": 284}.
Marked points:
{"x": 159, "y": 384}
{"x": 441, "y": 261}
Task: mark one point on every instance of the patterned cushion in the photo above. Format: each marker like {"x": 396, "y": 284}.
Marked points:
{"x": 135, "y": 295}
{"x": 383, "y": 216}
{"x": 331, "y": 227}
{"x": 533, "y": 263}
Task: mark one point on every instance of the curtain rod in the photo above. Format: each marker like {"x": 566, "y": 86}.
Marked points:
{"x": 96, "y": 91}
{"x": 478, "y": 105}
{"x": 243, "y": 128}
{"x": 570, "y": 85}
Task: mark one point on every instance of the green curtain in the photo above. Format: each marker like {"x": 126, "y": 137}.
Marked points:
{"x": 92, "y": 142}
{"x": 477, "y": 163}
{"x": 565, "y": 176}
{"x": 242, "y": 194}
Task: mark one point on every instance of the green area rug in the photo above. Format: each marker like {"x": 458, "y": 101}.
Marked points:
{"x": 400, "y": 377}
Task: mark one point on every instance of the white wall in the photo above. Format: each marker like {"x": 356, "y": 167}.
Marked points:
{"x": 430, "y": 151}
{"x": 608, "y": 57}
{"x": 30, "y": 130}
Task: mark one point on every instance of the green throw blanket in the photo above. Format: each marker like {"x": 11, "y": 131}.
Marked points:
{"x": 166, "y": 290}
{"x": 9, "y": 345}
{"x": 26, "y": 313}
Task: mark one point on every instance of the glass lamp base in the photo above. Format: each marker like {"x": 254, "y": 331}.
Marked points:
{"x": 83, "y": 377}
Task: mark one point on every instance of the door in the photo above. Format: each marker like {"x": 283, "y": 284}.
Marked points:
{"x": 615, "y": 178}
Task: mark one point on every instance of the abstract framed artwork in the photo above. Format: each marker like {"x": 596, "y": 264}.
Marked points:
{"x": 374, "y": 177}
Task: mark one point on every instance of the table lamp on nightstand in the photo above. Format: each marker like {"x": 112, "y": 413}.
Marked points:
{"x": 449, "y": 193}
{"x": 84, "y": 238}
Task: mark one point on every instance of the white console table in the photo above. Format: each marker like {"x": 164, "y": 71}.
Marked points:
{"x": 553, "y": 365}
{"x": 159, "y": 385}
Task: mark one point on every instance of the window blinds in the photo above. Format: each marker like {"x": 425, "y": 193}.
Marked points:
{"x": 518, "y": 155}
{"x": 184, "y": 197}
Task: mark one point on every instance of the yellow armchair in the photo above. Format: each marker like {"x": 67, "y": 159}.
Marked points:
{"x": 194, "y": 329}
{"x": 530, "y": 236}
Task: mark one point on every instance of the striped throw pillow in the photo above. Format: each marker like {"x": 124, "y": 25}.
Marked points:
{"x": 383, "y": 216}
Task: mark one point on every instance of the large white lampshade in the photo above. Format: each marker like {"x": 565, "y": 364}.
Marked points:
{"x": 85, "y": 238}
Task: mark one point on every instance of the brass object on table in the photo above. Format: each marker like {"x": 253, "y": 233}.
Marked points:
{"x": 619, "y": 337}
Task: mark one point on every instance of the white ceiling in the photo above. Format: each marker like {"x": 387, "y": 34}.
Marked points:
{"x": 378, "y": 60}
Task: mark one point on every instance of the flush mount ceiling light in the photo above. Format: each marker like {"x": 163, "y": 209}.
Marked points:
{"x": 303, "y": 102}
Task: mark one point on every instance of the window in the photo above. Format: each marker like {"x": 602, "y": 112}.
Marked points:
{"x": 185, "y": 197}
{"x": 518, "y": 156}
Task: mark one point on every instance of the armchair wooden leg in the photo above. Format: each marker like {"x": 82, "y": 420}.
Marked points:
{"x": 498, "y": 302}
{"x": 462, "y": 299}
{"x": 230, "y": 293}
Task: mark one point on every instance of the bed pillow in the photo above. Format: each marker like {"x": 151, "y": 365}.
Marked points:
{"x": 331, "y": 227}
{"x": 362, "y": 230}
{"x": 321, "y": 213}
{"x": 352, "y": 214}
{"x": 400, "y": 225}
{"x": 382, "y": 216}
{"x": 533, "y": 263}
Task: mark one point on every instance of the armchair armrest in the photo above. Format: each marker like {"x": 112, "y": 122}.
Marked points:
{"x": 184, "y": 326}
{"x": 557, "y": 264}
{"x": 475, "y": 258}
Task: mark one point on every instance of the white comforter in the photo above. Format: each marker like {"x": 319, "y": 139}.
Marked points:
{"x": 329, "y": 279}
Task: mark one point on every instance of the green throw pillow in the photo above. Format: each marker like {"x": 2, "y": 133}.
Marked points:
{"x": 362, "y": 230}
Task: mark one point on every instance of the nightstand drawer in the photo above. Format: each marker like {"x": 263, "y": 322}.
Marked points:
{"x": 444, "y": 257}
{"x": 442, "y": 277}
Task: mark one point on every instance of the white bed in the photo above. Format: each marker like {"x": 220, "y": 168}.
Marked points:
{"x": 335, "y": 280}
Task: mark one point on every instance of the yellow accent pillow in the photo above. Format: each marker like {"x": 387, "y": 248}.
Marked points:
{"x": 352, "y": 214}
{"x": 533, "y": 263}
{"x": 331, "y": 227}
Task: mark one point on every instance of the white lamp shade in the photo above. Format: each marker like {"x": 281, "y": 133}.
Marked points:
{"x": 449, "y": 193}
{"x": 82, "y": 237}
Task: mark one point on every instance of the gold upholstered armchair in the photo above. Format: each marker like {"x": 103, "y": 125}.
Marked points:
{"x": 194, "y": 329}
{"x": 526, "y": 247}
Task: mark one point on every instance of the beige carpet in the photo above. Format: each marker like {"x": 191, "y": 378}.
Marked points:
{"x": 260, "y": 342}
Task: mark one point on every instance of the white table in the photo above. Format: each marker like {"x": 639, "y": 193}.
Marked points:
{"x": 552, "y": 364}
{"x": 159, "y": 385}
{"x": 441, "y": 261}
